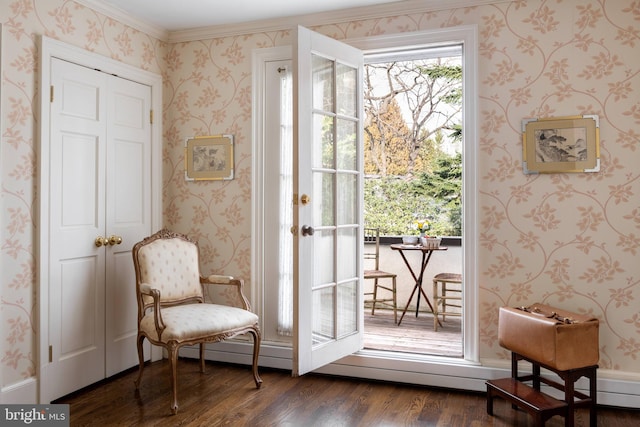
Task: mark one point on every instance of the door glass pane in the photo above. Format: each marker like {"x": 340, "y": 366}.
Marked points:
{"x": 346, "y": 97}
{"x": 323, "y": 262}
{"x": 347, "y": 309}
{"x": 323, "y": 83}
{"x": 347, "y": 267}
{"x": 346, "y": 156}
{"x": 323, "y": 130}
{"x": 323, "y": 190}
{"x": 347, "y": 193}
{"x": 323, "y": 315}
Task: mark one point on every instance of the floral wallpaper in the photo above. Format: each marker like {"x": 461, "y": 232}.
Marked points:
{"x": 23, "y": 21}
{"x": 570, "y": 240}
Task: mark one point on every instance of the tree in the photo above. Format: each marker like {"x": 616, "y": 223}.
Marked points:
{"x": 385, "y": 135}
{"x": 429, "y": 93}
{"x": 413, "y": 109}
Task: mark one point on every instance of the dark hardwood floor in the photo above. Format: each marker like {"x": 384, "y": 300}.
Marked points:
{"x": 225, "y": 395}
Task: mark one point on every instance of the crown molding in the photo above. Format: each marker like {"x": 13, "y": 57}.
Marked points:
{"x": 242, "y": 28}
{"x": 324, "y": 18}
{"x": 126, "y": 19}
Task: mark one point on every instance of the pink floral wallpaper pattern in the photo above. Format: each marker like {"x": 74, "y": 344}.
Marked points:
{"x": 565, "y": 239}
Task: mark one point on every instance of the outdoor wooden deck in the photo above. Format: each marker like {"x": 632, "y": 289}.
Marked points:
{"x": 414, "y": 335}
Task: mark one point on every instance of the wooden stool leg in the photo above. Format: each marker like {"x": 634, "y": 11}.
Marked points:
{"x": 490, "y": 397}
{"x": 593, "y": 394}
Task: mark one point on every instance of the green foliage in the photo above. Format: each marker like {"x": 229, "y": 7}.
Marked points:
{"x": 389, "y": 207}
{"x": 393, "y": 204}
{"x": 444, "y": 186}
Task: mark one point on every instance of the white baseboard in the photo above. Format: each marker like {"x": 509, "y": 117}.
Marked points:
{"x": 24, "y": 392}
{"x": 444, "y": 372}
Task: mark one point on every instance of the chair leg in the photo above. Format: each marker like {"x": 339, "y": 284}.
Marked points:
{"x": 140, "y": 361}
{"x": 444, "y": 301}
{"x": 375, "y": 297}
{"x": 436, "y": 301}
{"x": 256, "y": 353}
{"x": 395, "y": 302}
{"x": 202, "y": 357}
{"x": 173, "y": 362}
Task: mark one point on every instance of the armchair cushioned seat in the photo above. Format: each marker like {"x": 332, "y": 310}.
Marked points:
{"x": 197, "y": 321}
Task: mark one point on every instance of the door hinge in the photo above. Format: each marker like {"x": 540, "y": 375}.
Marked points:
{"x": 151, "y": 116}
{"x": 51, "y": 94}
{"x": 50, "y": 354}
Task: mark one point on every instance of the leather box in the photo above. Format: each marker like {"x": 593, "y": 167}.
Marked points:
{"x": 551, "y": 336}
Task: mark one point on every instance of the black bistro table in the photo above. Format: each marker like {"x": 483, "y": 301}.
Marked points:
{"x": 417, "y": 288}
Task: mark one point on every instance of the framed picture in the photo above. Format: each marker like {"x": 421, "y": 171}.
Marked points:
{"x": 208, "y": 157}
{"x": 561, "y": 144}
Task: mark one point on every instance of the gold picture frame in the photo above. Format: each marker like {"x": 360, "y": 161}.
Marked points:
{"x": 208, "y": 158}
{"x": 561, "y": 144}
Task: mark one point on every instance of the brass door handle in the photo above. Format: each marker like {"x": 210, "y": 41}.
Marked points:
{"x": 101, "y": 241}
{"x": 115, "y": 240}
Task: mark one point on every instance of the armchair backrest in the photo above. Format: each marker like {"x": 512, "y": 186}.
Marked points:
{"x": 168, "y": 262}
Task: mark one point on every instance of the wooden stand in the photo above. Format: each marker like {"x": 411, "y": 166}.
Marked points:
{"x": 538, "y": 404}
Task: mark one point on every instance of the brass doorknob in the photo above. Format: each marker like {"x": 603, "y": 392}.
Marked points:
{"x": 101, "y": 241}
{"x": 115, "y": 240}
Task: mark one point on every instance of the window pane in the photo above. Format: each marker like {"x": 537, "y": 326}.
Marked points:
{"x": 347, "y": 310}
{"x": 323, "y": 83}
{"x": 346, "y": 156}
{"x": 323, "y": 130}
{"x": 347, "y": 198}
{"x": 324, "y": 269}
{"x": 347, "y": 253}
{"x": 323, "y": 189}
{"x": 346, "y": 86}
{"x": 323, "y": 315}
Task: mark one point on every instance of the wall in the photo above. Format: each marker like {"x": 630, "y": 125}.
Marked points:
{"x": 23, "y": 22}
{"x": 566, "y": 239}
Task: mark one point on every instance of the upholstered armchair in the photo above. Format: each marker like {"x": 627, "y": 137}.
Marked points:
{"x": 172, "y": 311}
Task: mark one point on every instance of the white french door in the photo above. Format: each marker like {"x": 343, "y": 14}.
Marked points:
{"x": 327, "y": 214}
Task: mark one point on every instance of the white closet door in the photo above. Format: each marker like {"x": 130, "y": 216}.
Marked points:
{"x": 77, "y": 217}
{"x": 100, "y": 188}
{"x": 128, "y": 214}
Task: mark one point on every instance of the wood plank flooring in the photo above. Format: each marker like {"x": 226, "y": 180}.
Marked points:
{"x": 225, "y": 395}
{"x": 414, "y": 335}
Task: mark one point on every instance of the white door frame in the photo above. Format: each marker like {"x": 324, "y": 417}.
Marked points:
{"x": 434, "y": 370}
{"x": 50, "y": 48}
{"x": 468, "y": 36}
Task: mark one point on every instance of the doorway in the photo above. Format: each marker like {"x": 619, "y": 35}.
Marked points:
{"x": 261, "y": 243}
{"x": 414, "y": 335}
{"x": 413, "y": 182}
